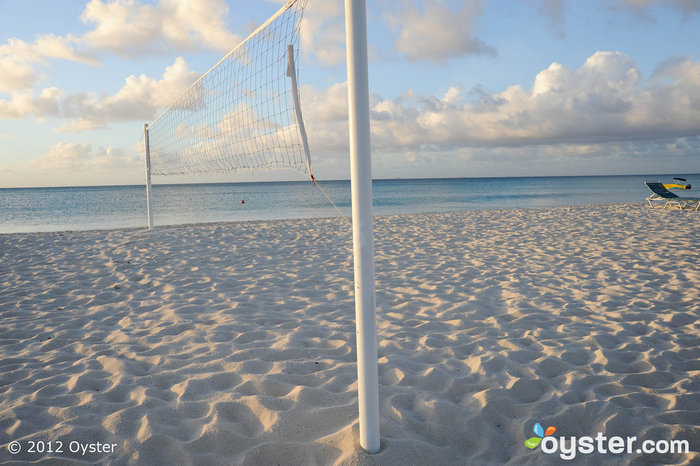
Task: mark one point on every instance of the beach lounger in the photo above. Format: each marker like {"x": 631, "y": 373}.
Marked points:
{"x": 660, "y": 193}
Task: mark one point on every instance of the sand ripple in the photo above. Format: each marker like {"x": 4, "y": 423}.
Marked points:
{"x": 234, "y": 343}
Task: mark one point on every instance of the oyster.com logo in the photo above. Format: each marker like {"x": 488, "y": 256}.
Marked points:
{"x": 533, "y": 442}
{"x": 569, "y": 447}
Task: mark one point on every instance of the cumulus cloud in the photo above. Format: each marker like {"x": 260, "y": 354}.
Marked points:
{"x": 131, "y": 28}
{"x": 123, "y": 27}
{"x": 325, "y": 117}
{"x": 69, "y": 156}
{"x": 438, "y": 30}
{"x": 604, "y": 100}
{"x": 44, "y": 46}
{"x": 140, "y": 98}
{"x": 23, "y": 104}
{"x": 16, "y": 75}
{"x": 18, "y": 59}
{"x": 322, "y": 32}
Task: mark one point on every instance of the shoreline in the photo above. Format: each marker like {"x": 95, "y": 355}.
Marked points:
{"x": 65, "y": 209}
{"x": 219, "y": 343}
{"x": 324, "y": 218}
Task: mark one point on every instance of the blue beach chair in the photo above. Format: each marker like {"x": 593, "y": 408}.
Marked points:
{"x": 660, "y": 193}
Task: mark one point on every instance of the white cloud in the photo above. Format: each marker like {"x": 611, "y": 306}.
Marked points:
{"x": 322, "y": 32}
{"x": 69, "y": 156}
{"x": 17, "y": 59}
{"x": 16, "y": 75}
{"x": 44, "y": 46}
{"x": 52, "y": 46}
{"x": 602, "y": 101}
{"x": 131, "y": 28}
{"x": 325, "y": 116}
{"x": 140, "y": 98}
{"x": 606, "y": 99}
{"x": 438, "y": 31}
{"x": 46, "y": 104}
{"x": 122, "y": 27}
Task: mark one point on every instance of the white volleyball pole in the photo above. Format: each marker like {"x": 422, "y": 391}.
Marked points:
{"x": 148, "y": 176}
{"x": 362, "y": 234}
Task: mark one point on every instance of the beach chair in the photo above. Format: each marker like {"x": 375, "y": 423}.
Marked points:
{"x": 660, "y": 193}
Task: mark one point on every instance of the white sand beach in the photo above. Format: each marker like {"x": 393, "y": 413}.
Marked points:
{"x": 234, "y": 343}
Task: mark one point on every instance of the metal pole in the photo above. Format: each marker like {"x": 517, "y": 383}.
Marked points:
{"x": 292, "y": 73}
{"x": 362, "y": 234}
{"x": 148, "y": 176}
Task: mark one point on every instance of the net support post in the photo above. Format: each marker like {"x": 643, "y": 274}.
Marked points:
{"x": 292, "y": 73}
{"x": 362, "y": 228}
{"x": 148, "y": 176}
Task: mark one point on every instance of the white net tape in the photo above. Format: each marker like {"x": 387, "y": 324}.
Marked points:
{"x": 240, "y": 115}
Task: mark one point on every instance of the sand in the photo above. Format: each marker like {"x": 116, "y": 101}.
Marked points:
{"x": 234, "y": 343}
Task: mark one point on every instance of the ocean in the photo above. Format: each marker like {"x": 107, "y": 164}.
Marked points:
{"x": 111, "y": 207}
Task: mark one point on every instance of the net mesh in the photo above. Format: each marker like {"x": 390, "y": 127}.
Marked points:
{"x": 240, "y": 115}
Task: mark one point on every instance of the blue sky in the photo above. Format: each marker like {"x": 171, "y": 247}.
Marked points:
{"x": 459, "y": 88}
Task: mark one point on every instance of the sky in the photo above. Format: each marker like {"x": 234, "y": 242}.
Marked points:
{"x": 466, "y": 88}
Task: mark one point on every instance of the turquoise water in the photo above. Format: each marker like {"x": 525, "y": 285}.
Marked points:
{"x": 108, "y": 207}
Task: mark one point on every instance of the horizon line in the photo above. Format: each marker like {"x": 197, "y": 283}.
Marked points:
{"x": 334, "y": 180}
